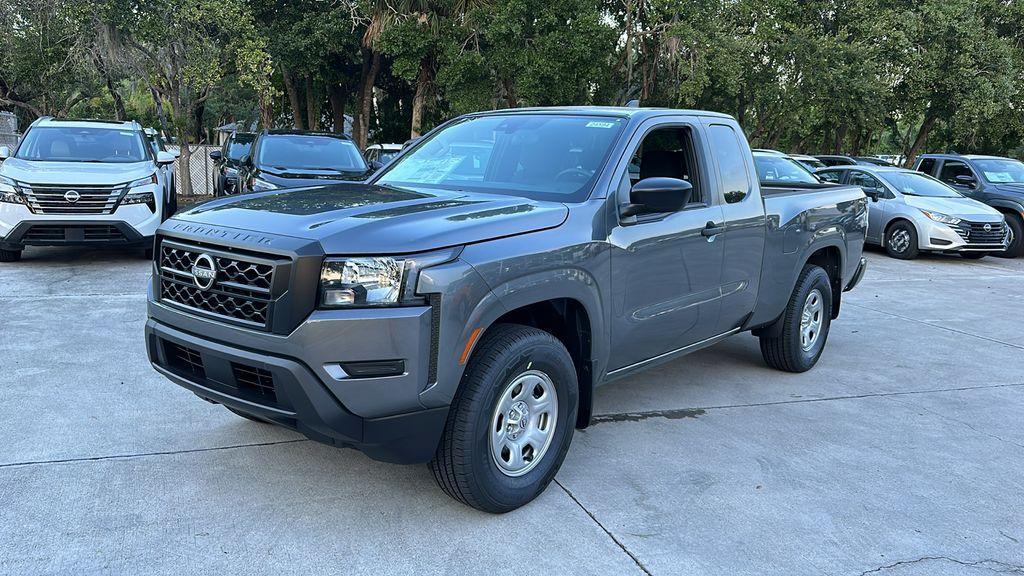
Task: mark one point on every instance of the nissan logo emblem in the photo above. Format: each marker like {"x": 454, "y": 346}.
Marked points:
{"x": 204, "y": 271}
{"x": 988, "y": 227}
{"x": 72, "y": 196}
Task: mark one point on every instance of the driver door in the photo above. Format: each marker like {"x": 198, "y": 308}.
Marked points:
{"x": 666, "y": 268}
{"x": 876, "y": 209}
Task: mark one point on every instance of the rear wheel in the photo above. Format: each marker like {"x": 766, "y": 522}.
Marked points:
{"x": 901, "y": 241}
{"x": 511, "y": 422}
{"x": 10, "y": 255}
{"x": 1015, "y": 224}
{"x": 800, "y": 339}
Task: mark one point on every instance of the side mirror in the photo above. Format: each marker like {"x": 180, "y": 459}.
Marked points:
{"x": 376, "y": 165}
{"x": 216, "y": 155}
{"x": 872, "y": 193}
{"x": 966, "y": 180}
{"x": 657, "y": 195}
{"x": 5, "y": 152}
{"x": 164, "y": 158}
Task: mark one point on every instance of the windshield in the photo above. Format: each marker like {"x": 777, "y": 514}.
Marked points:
{"x": 67, "y": 144}
{"x": 298, "y": 152}
{"x": 917, "y": 184}
{"x": 772, "y": 169}
{"x": 239, "y": 146}
{"x": 1001, "y": 171}
{"x": 537, "y": 156}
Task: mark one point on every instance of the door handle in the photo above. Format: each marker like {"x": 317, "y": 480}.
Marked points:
{"x": 711, "y": 230}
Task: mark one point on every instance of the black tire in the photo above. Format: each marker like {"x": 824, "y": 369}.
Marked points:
{"x": 10, "y": 255}
{"x": 785, "y": 350}
{"x": 248, "y": 416}
{"x": 464, "y": 466}
{"x": 1016, "y": 248}
{"x": 973, "y": 255}
{"x": 908, "y": 250}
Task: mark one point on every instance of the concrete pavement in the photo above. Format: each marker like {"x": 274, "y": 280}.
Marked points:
{"x": 901, "y": 453}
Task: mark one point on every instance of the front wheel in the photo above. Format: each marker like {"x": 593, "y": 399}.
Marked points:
{"x": 1015, "y": 225}
{"x": 901, "y": 241}
{"x": 799, "y": 341}
{"x": 511, "y": 422}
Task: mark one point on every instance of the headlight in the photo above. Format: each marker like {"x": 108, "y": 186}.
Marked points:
{"x": 9, "y": 191}
{"x": 151, "y": 179}
{"x": 139, "y": 198}
{"x": 365, "y": 281}
{"x": 940, "y": 217}
{"x": 259, "y": 185}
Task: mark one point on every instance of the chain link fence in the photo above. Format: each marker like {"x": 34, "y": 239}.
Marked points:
{"x": 8, "y": 139}
{"x": 200, "y": 169}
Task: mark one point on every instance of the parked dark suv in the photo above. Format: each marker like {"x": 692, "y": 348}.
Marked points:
{"x": 293, "y": 158}
{"x": 994, "y": 180}
{"x": 227, "y": 160}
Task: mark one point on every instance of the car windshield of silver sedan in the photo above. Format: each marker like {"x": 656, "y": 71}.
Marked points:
{"x": 537, "y": 156}
{"x": 1002, "y": 171}
{"x": 916, "y": 184}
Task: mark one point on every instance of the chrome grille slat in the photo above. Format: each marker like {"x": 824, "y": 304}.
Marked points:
{"x": 92, "y": 199}
{"x": 975, "y": 233}
{"x": 241, "y": 290}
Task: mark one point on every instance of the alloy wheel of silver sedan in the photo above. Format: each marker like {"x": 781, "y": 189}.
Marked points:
{"x": 523, "y": 423}
{"x": 900, "y": 240}
{"x": 811, "y": 320}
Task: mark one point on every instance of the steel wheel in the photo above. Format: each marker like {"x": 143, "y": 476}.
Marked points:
{"x": 523, "y": 423}
{"x": 811, "y": 320}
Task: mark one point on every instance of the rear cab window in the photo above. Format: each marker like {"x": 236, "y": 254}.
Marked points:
{"x": 732, "y": 168}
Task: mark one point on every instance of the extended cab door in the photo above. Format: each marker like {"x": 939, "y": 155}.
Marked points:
{"x": 879, "y": 202}
{"x": 665, "y": 268}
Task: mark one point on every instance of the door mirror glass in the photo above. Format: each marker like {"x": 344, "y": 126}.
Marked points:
{"x": 873, "y": 193}
{"x": 657, "y": 195}
{"x": 164, "y": 158}
{"x": 216, "y": 155}
{"x": 5, "y": 152}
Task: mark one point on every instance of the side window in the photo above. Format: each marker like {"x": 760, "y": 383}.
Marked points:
{"x": 953, "y": 168}
{"x": 927, "y": 166}
{"x": 726, "y": 147}
{"x": 833, "y": 176}
{"x": 667, "y": 152}
{"x": 864, "y": 181}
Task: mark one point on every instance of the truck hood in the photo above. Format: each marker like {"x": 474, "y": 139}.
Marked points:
{"x": 369, "y": 219}
{"x": 1016, "y": 189}
{"x": 285, "y": 178}
{"x": 75, "y": 173}
{"x": 960, "y": 207}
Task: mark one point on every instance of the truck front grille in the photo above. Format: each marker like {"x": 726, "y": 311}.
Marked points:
{"x": 57, "y": 199}
{"x": 975, "y": 232}
{"x": 241, "y": 290}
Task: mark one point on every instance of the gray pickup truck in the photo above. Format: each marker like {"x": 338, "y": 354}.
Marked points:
{"x": 461, "y": 306}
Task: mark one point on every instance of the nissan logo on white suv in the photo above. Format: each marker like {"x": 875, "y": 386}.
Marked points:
{"x": 204, "y": 271}
{"x": 72, "y": 196}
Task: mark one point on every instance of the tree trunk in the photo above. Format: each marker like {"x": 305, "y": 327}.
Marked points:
{"x": 510, "y": 93}
{"x": 361, "y": 125}
{"x": 184, "y": 179}
{"x": 419, "y": 99}
{"x": 293, "y": 98}
{"x": 922, "y": 137}
{"x": 312, "y": 106}
{"x": 160, "y": 114}
{"x": 338, "y": 97}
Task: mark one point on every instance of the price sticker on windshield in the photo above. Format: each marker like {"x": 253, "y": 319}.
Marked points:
{"x": 600, "y": 124}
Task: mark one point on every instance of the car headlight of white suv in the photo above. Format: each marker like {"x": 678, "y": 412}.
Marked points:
{"x": 136, "y": 196}
{"x": 9, "y": 191}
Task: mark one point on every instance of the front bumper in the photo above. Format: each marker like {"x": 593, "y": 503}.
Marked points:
{"x": 936, "y": 236}
{"x": 129, "y": 226}
{"x": 296, "y": 381}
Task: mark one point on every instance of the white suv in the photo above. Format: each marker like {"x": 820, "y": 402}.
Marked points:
{"x": 82, "y": 182}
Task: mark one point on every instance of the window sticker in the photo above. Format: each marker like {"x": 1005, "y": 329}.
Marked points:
{"x": 600, "y": 124}
{"x": 999, "y": 177}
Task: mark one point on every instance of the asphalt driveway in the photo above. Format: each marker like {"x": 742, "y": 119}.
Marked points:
{"x": 901, "y": 453}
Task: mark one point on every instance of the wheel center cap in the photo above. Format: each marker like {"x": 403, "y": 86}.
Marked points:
{"x": 518, "y": 417}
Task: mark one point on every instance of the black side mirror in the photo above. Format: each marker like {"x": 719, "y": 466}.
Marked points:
{"x": 216, "y": 155}
{"x": 657, "y": 195}
{"x": 872, "y": 193}
{"x": 966, "y": 180}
